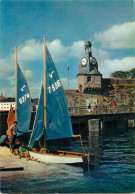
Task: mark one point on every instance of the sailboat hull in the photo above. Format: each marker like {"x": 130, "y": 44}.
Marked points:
{"x": 60, "y": 157}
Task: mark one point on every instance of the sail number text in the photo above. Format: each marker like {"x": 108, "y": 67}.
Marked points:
{"x": 54, "y": 86}
{"x": 24, "y": 98}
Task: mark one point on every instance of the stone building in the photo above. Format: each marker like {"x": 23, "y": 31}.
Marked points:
{"x": 5, "y": 103}
{"x": 93, "y": 90}
{"x": 89, "y": 78}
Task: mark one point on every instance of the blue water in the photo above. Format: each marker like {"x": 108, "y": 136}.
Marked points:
{"x": 112, "y": 172}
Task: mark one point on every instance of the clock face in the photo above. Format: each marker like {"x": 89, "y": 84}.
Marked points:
{"x": 83, "y": 61}
{"x": 93, "y": 60}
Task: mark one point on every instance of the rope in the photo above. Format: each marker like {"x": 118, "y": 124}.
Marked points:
{"x": 82, "y": 145}
{"x": 88, "y": 157}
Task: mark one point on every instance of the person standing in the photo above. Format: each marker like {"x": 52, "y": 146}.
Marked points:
{"x": 14, "y": 131}
{"x": 114, "y": 105}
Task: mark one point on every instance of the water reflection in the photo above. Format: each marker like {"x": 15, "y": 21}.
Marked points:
{"x": 113, "y": 171}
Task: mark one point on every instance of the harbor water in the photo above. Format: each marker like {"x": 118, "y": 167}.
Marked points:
{"x": 112, "y": 171}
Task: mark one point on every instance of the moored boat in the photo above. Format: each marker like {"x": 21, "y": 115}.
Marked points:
{"x": 52, "y": 119}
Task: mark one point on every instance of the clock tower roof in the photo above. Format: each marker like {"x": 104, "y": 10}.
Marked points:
{"x": 95, "y": 72}
{"x": 88, "y": 43}
{"x": 89, "y": 76}
{"x": 88, "y": 63}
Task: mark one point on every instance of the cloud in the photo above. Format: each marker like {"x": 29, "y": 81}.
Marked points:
{"x": 28, "y": 74}
{"x": 7, "y": 71}
{"x": 73, "y": 83}
{"x": 62, "y": 53}
{"x": 118, "y": 36}
{"x": 77, "y": 49}
{"x": 100, "y": 54}
{"x": 9, "y": 91}
{"x": 35, "y": 89}
{"x": 109, "y": 66}
{"x": 6, "y": 67}
{"x": 32, "y": 50}
{"x": 57, "y": 50}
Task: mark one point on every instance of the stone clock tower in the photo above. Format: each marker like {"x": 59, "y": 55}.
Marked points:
{"x": 89, "y": 78}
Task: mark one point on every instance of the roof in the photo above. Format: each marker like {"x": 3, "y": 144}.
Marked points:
{"x": 7, "y": 99}
{"x": 95, "y": 72}
{"x": 88, "y": 43}
{"x": 10, "y": 99}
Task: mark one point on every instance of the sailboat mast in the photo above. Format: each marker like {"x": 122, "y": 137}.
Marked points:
{"x": 44, "y": 88}
{"x": 16, "y": 83}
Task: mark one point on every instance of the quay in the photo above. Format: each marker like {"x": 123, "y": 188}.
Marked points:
{"x": 10, "y": 162}
{"x": 121, "y": 117}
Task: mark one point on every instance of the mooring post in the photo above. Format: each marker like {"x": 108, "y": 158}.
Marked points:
{"x": 131, "y": 123}
{"x": 122, "y": 123}
{"x": 94, "y": 126}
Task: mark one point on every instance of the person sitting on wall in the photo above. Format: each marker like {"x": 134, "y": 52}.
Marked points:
{"x": 89, "y": 108}
{"x": 16, "y": 146}
{"x": 95, "y": 106}
{"x": 22, "y": 153}
{"x": 114, "y": 105}
{"x": 4, "y": 140}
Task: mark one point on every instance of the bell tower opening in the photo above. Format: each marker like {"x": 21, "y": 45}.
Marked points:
{"x": 88, "y": 47}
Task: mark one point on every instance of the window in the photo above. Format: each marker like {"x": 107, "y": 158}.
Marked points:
{"x": 88, "y": 78}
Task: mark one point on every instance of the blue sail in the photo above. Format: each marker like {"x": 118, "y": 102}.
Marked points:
{"x": 57, "y": 113}
{"x": 58, "y": 121}
{"x": 38, "y": 128}
{"x": 23, "y": 103}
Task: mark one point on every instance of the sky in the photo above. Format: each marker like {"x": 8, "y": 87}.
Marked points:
{"x": 67, "y": 24}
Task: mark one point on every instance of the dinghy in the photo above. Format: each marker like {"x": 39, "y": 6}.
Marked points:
{"x": 52, "y": 120}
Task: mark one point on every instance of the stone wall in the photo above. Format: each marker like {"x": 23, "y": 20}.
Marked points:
{"x": 95, "y": 82}
{"x": 89, "y": 81}
{"x": 80, "y": 99}
{"x": 115, "y": 82}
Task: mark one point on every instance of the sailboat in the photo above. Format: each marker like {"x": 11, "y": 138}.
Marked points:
{"x": 52, "y": 119}
{"x": 22, "y": 100}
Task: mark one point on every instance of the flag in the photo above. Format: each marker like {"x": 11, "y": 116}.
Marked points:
{"x": 10, "y": 120}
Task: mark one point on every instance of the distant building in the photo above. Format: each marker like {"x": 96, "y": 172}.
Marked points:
{"x": 94, "y": 90}
{"x": 89, "y": 78}
{"x": 34, "y": 104}
{"x": 5, "y": 103}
